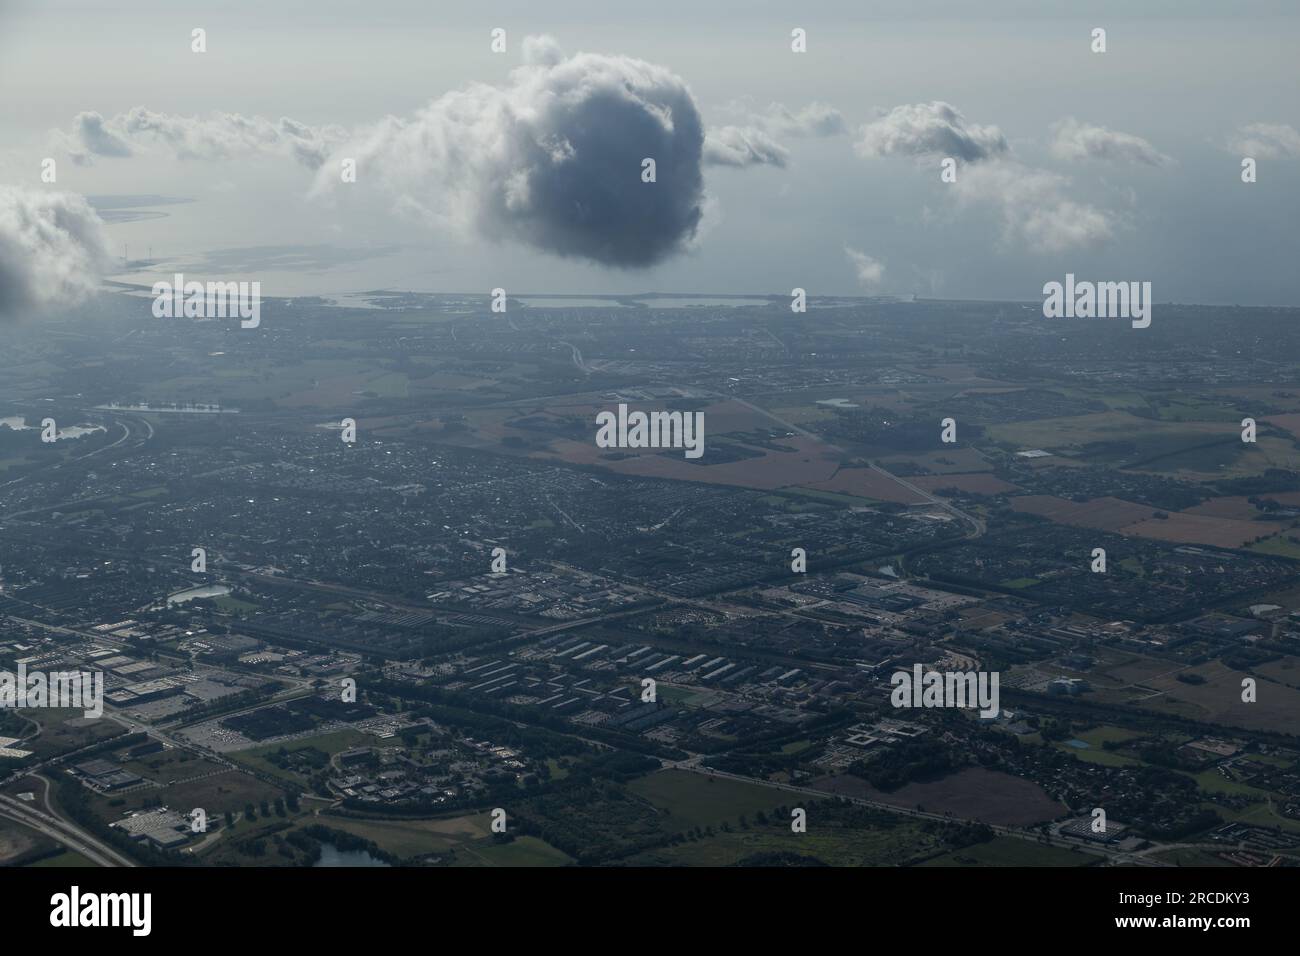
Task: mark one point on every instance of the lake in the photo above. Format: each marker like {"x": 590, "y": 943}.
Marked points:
{"x": 206, "y": 591}
{"x": 330, "y": 855}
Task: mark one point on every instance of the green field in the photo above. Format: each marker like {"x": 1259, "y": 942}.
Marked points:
{"x": 1209, "y": 447}
{"x": 409, "y": 838}
{"x": 255, "y": 757}
{"x": 1262, "y": 814}
{"x": 216, "y": 792}
{"x": 232, "y": 605}
{"x": 831, "y": 497}
{"x": 465, "y": 840}
{"x": 1096, "y": 753}
{"x": 1172, "y": 409}
{"x": 522, "y": 851}
{"x": 1270, "y": 760}
{"x": 67, "y": 858}
{"x": 1190, "y": 857}
{"x": 1280, "y": 544}
{"x": 391, "y": 385}
{"x": 1012, "y": 851}
{"x": 1019, "y": 583}
{"x": 694, "y": 799}
{"x": 1211, "y": 781}
{"x": 1106, "y": 733}
{"x": 834, "y": 846}
{"x": 1105, "y": 758}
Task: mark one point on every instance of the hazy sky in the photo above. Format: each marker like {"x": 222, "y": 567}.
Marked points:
{"x": 1144, "y": 184}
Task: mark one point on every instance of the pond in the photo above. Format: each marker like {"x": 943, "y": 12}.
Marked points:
{"x": 330, "y": 855}
{"x": 206, "y": 591}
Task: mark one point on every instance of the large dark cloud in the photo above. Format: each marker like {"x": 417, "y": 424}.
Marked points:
{"x": 552, "y": 159}
{"x": 51, "y": 250}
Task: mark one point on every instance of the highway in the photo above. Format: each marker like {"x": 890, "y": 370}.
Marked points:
{"x": 68, "y": 834}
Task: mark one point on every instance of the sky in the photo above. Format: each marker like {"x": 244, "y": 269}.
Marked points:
{"x": 775, "y": 169}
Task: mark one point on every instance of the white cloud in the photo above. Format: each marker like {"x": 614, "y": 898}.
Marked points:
{"x": 1073, "y": 141}
{"x": 753, "y": 142}
{"x": 215, "y": 136}
{"x": 1034, "y": 206}
{"x": 542, "y": 50}
{"x": 51, "y": 250}
{"x": 1267, "y": 141}
{"x": 743, "y": 146}
{"x": 815, "y": 119}
{"x": 935, "y": 129}
{"x": 90, "y": 137}
{"x": 870, "y": 272}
